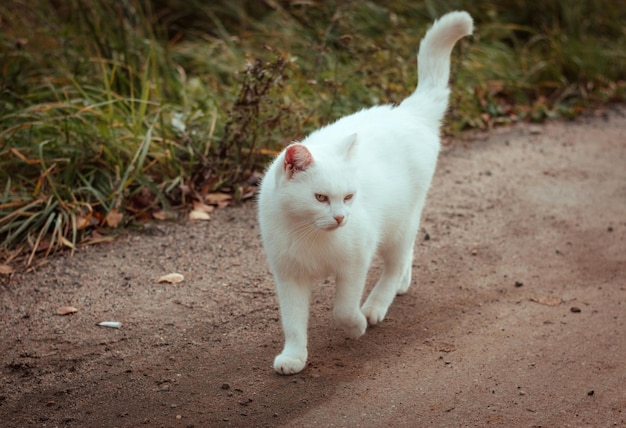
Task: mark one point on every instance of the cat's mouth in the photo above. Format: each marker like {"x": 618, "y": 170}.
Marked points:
{"x": 329, "y": 227}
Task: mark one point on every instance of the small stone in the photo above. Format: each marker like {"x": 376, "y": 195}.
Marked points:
{"x": 518, "y": 284}
{"x": 575, "y": 309}
{"x": 225, "y": 386}
{"x": 590, "y": 393}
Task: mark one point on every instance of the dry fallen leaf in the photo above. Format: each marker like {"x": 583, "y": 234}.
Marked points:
{"x": 164, "y": 215}
{"x": 219, "y": 199}
{"x": 248, "y": 192}
{"x": 547, "y": 300}
{"x": 43, "y": 245}
{"x": 83, "y": 222}
{"x": 172, "y": 278}
{"x": 199, "y": 215}
{"x": 6, "y": 270}
{"x": 66, "y": 310}
{"x": 199, "y": 206}
{"x": 114, "y": 217}
{"x": 201, "y": 211}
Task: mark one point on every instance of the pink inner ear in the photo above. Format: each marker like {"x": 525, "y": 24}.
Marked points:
{"x": 297, "y": 158}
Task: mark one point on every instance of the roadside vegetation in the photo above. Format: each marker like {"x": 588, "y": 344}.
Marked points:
{"x": 113, "y": 111}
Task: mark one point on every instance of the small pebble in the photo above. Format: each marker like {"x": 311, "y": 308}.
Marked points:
{"x": 518, "y": 284}
{"x": 590, "y": 393}
{"x": 575, "y": 309}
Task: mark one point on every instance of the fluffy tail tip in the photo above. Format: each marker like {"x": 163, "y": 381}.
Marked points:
{"x": 436, "y": 46}
{"x": 461, "y": 20}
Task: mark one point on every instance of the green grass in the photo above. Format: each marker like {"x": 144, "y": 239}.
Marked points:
{"x": 131, "y": 107}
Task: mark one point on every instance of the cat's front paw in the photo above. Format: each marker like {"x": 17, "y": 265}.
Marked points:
{"x": 374, "y": 313}
{"x": 289, "y": 364}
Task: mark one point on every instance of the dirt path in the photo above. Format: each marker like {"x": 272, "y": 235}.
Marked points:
{"x": 516, "y": 317}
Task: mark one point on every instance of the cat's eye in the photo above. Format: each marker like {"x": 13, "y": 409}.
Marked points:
{"x": 348, "y": 197}
{"x": 321, "y": 198}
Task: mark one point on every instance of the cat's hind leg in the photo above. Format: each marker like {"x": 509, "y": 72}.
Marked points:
{"x": 348, "y": 293}
{"x": 405, "y": 282}
{"x": 396, "y": 279}
{"x": 294, "y": 313}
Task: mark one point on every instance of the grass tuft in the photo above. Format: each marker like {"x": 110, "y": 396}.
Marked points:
{"x": 111, "y": 111}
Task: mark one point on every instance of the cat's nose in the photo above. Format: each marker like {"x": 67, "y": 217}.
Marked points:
{"x": 338, "y": 218}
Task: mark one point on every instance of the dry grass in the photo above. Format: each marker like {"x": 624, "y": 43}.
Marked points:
{"x": 112, "y": 111}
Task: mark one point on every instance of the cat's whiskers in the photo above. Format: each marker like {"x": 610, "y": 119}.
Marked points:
{"x": 304, "y": 231}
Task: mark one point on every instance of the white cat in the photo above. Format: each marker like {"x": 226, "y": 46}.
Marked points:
{"x": 351, "y": 190}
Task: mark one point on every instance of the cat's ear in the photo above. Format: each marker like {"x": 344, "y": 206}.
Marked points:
{"x": 297, "y": 158}
{"x": 348, "y": 146}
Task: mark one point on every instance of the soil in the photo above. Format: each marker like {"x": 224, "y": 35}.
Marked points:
{"x": 516, "y": 316}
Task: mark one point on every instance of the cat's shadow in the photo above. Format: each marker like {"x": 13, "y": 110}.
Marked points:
{"x": 335, "y": 357}
{"x": 334, "y": 361}
{"x": 415, "y": 323}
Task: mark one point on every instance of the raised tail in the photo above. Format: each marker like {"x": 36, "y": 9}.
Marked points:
{"x": 433, "y": 60}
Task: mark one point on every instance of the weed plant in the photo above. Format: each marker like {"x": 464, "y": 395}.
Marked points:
{"x": 114, "y": 110}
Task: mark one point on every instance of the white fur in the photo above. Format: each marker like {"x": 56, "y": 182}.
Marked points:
{"x": 352, "y": 190}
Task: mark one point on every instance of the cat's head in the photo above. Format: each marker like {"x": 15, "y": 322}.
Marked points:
{"x": 318, "y": 185}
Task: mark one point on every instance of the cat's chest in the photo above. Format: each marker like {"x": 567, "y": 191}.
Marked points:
{"x": 318, "y": 257}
